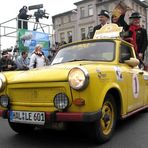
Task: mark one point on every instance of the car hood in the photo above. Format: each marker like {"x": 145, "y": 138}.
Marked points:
{"x": 51, "y": 73}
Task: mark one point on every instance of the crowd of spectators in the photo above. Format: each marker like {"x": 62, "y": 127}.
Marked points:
{"x": 22, "y": 61}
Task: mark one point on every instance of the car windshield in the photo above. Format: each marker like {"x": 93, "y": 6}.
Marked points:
{"x": 90, "y": 51}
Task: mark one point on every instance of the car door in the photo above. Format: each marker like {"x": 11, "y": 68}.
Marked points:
{"x": 135, "y": 91}
{"x": 133, "y": 80}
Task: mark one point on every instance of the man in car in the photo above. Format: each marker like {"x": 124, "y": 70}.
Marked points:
{"x": 103, "y": 19}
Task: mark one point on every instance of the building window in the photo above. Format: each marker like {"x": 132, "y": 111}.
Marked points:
{"x": 58, "y": 22}
{"x": 62, "y": 21}
{"x": 62, "y": 36}
{"x": 73, "y": 17}
{"x": 66, "y": 19}
{"x": 69, "y": 36}
{"x": 82, "y": 12}
{"x": 137, "y": 7}
{"x": 142, "y": 11}
{"x": 133, "y": 5}
{"x": 90, "y": 31}
{"x": 83, "y": 33}
{"x": 90, "y": 10}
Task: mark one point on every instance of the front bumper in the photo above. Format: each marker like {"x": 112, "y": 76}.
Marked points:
{"x": 64, "y": 116}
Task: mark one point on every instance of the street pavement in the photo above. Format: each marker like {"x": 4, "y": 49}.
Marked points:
{"x": 130, "y": 133}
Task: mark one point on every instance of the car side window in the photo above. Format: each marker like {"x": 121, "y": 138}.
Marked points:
{"x": 125, "y": 53}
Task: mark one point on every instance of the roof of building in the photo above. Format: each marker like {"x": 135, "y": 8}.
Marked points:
{"x": 63, "y": 14}
{"x": 142, "y": 3}
{"x": 81, "y": 2}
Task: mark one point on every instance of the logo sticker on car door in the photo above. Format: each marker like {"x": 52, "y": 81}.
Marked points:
{"x": 118, "y": 73}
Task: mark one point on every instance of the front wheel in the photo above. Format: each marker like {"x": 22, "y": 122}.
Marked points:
{"x": 103, "y": 129}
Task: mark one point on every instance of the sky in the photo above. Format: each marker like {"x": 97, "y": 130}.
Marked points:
{"x": 10, "y": 8}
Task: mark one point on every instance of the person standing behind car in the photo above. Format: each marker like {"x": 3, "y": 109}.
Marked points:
{"x": 6, "y": 63}
{"x": 103, "y": 19}
{"x": 37, "y": 58}
{"x": 119, "y": 20}
{"x": 138, "y": 34}
{"x": 23, "y": 61}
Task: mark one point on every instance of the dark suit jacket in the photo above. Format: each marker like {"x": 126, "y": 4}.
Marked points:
{"x": 141, "y": 40}
{"x": 94, "y": 30}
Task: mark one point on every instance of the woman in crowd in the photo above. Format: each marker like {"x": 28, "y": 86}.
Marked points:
{"x": 37, "y": 58}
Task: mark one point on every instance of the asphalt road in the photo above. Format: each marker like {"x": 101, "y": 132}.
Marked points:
{"x": 130, "y": 133}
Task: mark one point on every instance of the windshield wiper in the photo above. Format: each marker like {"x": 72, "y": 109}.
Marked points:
{"x": 73, "y": 60}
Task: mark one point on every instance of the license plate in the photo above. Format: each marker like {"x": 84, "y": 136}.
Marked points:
{"x": 27, "y": 117}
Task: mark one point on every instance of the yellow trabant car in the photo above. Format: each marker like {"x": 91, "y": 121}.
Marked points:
{"x": 93, "y": 82}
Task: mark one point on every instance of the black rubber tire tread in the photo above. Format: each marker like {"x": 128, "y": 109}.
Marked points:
{"x": 97, "y": 134}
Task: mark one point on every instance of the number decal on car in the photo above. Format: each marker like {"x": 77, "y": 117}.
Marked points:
{"x": 135, "y": 86}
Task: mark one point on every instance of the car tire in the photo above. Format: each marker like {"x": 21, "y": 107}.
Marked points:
{"x": 22, "y": 128}
{"x": 103, "y": 129}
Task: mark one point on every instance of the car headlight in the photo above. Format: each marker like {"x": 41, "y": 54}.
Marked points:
{"x": 2, "y": 81}
{"x": 78, "y": 78}
{"x": 4, "y": 101}
{"x": 61, "y": 101}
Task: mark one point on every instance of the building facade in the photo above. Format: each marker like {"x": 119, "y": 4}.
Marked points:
{"x": 76, "y": 24}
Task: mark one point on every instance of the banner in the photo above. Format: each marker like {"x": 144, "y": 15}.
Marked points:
{"x": 27, "y": 40}
{"x": 108, "y": 31}
{"x": 120, "y": 9}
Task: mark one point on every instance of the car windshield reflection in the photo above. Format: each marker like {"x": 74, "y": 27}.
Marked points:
{"x": 90, "y": 51}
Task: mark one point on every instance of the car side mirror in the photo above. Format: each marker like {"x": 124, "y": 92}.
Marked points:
{"x": 133, "y": 62}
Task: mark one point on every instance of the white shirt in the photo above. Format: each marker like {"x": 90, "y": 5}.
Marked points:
{"x": 39, "y": 60}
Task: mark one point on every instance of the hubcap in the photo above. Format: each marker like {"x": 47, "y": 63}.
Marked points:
{"x": 107, "y": 118}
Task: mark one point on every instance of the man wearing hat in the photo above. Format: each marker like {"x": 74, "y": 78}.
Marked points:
{"x": 138, "y": 34}
{"x": 103, "y": 19}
